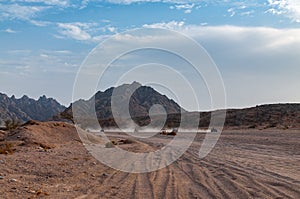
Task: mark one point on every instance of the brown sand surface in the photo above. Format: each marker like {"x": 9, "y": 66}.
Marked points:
{"x": 49, "y": 161}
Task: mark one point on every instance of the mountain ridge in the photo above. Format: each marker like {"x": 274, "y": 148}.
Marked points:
{"x": 284, "y": 115}
{"x": 142, "y": 98}
{"x": 25, "y": 108}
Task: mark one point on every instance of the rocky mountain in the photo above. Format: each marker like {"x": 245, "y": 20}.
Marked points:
{"x": 284, "y": 116}
{"x": 141, "y": 99}
{"x": 25, "y": 108}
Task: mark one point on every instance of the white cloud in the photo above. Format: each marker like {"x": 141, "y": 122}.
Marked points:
{"x": 8, "y": 30}
{"x": 167, "y": 25}
{"x": 231, "y": 12}
{"x": 61, "y": 52}
{"x": 99, "y": 38}
{"x": 163, "y": 1}
{"x": 186, "y": 7}
{"x": 236, "y": 3}
{"x": 188, "y": 11}
{"x": 90, "y": 32}
{"x": 258, "y": 39}
{"x": 39, "y": 60}
{"x": 290, "y": 8}
{"x": 239, "y": 8}
{"x": 130, "y": 1}
{"x": 29, "y": 9}
{"x": 73, "y": 31}
{"x": 84, "y": 4}
{"x": 247, "y": 13}
{"x": 62, "y": 3}
{"x": 39, "y": 23}
{"x": 16, "y": 11}
{"x": 112, "y": 29}
{"x": 44, "y": 55}
{"x": 277, "y": 47}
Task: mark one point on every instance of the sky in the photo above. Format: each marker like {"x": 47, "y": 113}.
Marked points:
{"x": 255, "y": 44}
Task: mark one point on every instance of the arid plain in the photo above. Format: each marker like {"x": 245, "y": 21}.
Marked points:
{"x": 49, "y": 160}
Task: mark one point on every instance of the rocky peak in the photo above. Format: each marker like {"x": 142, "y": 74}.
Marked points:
{"x": 135, "y": 84}
{"x": 43, "y": 98}
{"x": 25, "y": 97}
{"x": 141, "y": 99}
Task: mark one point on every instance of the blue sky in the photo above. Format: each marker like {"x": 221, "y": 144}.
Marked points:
{"x": 255, "y": 44}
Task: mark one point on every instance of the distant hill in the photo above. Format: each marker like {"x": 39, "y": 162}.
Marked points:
{"x": 284, "y": 116}
{"x": 281, "y": 116}
{"x": 25, "y": 108}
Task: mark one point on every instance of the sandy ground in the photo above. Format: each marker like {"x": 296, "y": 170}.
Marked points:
{"x": 244, "y": 164}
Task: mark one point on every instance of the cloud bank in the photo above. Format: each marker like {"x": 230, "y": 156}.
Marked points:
{"x": 289, "y": 8}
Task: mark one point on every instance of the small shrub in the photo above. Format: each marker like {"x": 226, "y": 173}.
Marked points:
{"x": 45, "y": 147}
{"x": 6, "y": 148}
{"x": 109, "y": 145}
{"x": 41, "y": 193}
{"x": 125, "y": 141}
{"x": 128, "y": 141}
{"x": 114, "y": 142}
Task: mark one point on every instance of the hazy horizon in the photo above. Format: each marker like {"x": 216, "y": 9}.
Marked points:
{"x": 233, "y": 107}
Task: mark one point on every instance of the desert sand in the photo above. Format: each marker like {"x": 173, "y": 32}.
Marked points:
{"x": 48, "y": 160}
